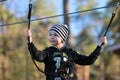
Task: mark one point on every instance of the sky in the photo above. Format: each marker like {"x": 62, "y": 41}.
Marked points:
{"x": 20, "y": 8}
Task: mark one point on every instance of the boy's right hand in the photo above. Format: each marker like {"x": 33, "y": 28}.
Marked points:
{"x": 29, "y": 35}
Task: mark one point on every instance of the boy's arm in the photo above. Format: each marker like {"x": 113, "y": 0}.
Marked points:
{"x": 88, "y": 60}
{"x": 37, "y": 55}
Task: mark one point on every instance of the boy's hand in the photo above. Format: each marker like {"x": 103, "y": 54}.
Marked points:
{"x": 29, "y": 34}
{"x": 102, "y": 41}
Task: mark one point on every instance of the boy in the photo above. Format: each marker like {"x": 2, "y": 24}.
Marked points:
{"x": 59, "y": 59}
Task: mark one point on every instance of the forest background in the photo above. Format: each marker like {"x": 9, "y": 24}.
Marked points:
{"x": 86, "y": 29}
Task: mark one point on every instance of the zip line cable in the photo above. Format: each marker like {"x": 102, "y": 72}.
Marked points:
{"x": 2, "y": 0}
{"x": 60, "y": 15}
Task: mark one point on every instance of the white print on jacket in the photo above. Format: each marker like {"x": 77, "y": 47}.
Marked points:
{"x": 58, "y": 61}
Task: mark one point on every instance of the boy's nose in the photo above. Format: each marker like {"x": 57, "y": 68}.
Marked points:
{"x": 52, "y": 37}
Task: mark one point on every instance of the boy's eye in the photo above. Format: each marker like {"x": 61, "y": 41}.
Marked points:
{"x": 55, "y": 35}
{"x": 50, "y": 34}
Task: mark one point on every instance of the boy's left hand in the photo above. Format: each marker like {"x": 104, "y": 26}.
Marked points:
{"x": 102, "y": 41}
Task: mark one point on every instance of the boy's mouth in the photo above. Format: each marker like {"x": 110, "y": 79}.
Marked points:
{"x": 53, "y": 41}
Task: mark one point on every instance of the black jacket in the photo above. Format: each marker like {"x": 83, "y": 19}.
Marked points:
{"x": 60, "y": 63}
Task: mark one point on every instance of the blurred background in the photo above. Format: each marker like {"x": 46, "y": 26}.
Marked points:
{"x": 87, "y": 24}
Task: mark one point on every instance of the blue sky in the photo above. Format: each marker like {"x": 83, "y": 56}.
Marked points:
{"x": 22, "y": 5}
{"x": 20, "y": 8}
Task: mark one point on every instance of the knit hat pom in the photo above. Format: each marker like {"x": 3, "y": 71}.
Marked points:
{"x": 61, "y": 30}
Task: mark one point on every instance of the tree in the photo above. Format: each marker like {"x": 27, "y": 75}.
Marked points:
{"x": 66, "y": 18}
{"x": 4, "y": 18}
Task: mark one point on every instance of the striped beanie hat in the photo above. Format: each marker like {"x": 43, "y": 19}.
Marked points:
{"x": 61, "y": 30}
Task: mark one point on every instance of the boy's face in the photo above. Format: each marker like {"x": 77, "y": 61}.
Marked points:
{"x": 54, "y": 39}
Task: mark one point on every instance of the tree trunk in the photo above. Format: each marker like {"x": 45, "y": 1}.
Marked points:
{"x": 66, "y": 18}
{"x": 86, "y": 72}
{"x": 27, "y": 66}
{"x": 102, "y": 68}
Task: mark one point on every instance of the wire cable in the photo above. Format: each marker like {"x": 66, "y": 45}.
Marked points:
{"x": 2, "y": 0}
{"x": 59, "y": 15}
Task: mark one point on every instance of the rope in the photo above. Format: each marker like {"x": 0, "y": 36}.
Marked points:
{"x": 60, "y": 15}
{"x": 110, "y": 22}
{"x": 29, "y": 17}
